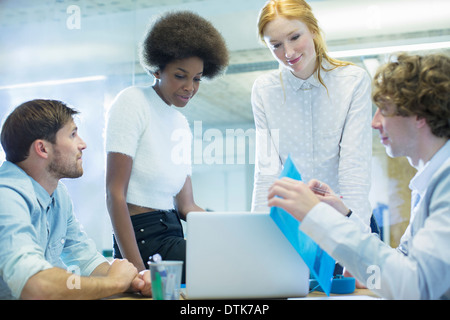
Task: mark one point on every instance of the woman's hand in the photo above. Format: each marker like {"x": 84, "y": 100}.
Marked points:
{"x": 325, "y": 194}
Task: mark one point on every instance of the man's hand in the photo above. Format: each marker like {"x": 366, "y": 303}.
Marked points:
{"x": 293, "y": 196}
{"x": 106, "y": 280}
{"x": 142, "y": 283}
{"x": 123, "y": 273}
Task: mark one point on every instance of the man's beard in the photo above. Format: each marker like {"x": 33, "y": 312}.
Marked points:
{"x": 62, "y": 167}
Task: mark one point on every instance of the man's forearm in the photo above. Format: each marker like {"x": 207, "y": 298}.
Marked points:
{"x": 101, "y": 270}
{"x": 56, "y": 283}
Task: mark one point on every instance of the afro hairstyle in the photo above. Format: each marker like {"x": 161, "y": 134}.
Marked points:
{"x": 180, "y": 35}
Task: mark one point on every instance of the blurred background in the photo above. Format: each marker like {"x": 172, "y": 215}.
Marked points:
{"x": 84, "y": 52}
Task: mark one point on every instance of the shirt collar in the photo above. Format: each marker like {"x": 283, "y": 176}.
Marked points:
{"x": 42, "y": 196}
{"x": 312, "y": 81}
{"x": 420, "y": 181}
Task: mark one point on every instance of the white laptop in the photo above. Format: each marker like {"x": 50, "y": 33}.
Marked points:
{"x": 241, "y": 255}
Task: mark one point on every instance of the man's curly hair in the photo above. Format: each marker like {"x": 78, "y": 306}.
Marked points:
{"x": 417, "y": 85}
{"x": 180, "y": 35}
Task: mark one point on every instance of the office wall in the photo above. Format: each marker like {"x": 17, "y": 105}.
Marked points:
{"x": 46, "y": 44}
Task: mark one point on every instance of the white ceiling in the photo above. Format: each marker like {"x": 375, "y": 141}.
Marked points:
{"x": 37, "y": 45}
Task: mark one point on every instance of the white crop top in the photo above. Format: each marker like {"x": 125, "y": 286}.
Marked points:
{"x": 158, "y": 138}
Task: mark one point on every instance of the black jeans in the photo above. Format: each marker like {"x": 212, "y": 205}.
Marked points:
{"x": 158, "y": 232}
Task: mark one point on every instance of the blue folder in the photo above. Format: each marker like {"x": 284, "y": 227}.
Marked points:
{"x": 320, "y": 264}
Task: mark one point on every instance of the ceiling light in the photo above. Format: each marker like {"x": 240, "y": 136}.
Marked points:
{"x": 53, "y": 82}
{"x": 385, "y": 50}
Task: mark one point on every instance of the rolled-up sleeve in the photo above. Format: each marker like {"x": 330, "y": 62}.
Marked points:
{"x": 79, "y": 250}
{"x": 21, "y": 256}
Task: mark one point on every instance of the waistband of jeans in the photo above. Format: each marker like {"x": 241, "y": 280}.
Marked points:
{"x": 151, "y": 214}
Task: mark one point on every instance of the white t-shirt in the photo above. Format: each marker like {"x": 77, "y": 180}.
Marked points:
{"x": 158, "y": 138}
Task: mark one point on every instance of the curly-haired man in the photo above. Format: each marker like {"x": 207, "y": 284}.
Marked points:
{"x": 413, "y": 118}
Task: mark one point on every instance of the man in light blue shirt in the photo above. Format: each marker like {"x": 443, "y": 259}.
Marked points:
{"x": 413, "y": 119}
{"x": 44, "y": 254}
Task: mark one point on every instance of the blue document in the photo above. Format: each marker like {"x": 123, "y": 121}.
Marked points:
{"x": 320, "y": 264}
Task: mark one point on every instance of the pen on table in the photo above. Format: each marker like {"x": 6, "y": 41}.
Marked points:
{"x": 324, "y": 192}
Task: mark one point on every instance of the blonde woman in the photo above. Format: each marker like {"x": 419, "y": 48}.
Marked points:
{"x": 315, "y": 108}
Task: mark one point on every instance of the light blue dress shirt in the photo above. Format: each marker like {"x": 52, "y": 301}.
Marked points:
{"x": 38, "y": 232}
{"x": 420, "y": 267}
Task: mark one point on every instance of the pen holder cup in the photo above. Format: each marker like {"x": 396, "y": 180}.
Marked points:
{"x": 166, "y": 279}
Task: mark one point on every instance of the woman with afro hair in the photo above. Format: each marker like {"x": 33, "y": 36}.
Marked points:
{"x": 148, "y": 141}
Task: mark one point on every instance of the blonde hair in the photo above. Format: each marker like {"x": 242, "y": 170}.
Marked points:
{"x": 299, "y": 10}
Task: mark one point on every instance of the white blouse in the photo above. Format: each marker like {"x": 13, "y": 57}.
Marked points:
{"x": 327, "y": 131}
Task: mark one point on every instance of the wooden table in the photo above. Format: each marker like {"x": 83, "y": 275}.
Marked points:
{"x": 358, "y": 294}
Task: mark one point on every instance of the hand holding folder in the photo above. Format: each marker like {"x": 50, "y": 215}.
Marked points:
{"x": 320, "y": 264}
